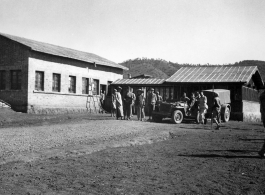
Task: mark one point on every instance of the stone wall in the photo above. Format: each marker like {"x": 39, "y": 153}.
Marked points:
{"x": 251, "y": 111}
{"x": 14, "y": 56}
{"x": 47, "y": 101}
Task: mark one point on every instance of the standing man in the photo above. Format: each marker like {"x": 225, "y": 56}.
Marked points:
{"x": 140, "y": 103}
{"x": 216, "y": 110}
{"x": 133, "y": 103}
{"x": 159, "y": 100}
{"x": 151, "y": 102}
{"x": 184, "y": 98}
{"x": 202, "y": 108}
{"x": 119, "y": 105}
{"x": 262, "y": 110}
{"x": 128, "y": 101}
{"x": 113, "y": 103}
{"x": 102, "y": 99}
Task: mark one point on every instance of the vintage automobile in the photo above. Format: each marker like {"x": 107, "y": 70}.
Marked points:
{"x": 178, "y": 111}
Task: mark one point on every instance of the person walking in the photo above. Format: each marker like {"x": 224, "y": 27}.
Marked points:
{"x": 113, "y": 103}
{"x": 196, "y": 106}
{"x": 119, "y": 104}
{"x": 262, "y": 110}
{"x": 151, "y": 102}
{"x": 202, "y": 108}
{"x": 128, "y": 101}
{"x": 216, "y": 110}
{"x": 140, "y": 103}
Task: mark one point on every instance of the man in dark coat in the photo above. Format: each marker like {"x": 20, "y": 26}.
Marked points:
{"x": 216, "y": 109}
{"x": 140, "y": 103}
{"x": 128, "y": 102}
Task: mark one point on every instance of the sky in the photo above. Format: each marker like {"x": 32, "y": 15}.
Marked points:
{"x": 180, "y": 31}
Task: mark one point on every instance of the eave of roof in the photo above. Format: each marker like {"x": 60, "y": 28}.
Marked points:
{"x": 138, "y": 82}
{"x": 63, "y": 51}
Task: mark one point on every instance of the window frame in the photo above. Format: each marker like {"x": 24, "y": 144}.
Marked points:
{"x": 39, "y": 81}
{"x": 85, "y": 85}
{"x": 95, "y": 89}
{"x": 17, "y": 85}
{"x": 56, "y": 85}
{"x": 72, "y": 84}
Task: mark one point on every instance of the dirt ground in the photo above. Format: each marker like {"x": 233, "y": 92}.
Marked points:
{"x": 96, "y": 154}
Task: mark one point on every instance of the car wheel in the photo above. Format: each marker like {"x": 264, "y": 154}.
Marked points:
{"x": 226, "y": 115}
{"x": 177, "y": 117}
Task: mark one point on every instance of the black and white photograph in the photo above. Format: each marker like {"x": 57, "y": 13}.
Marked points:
{"x": 128, "y": 97}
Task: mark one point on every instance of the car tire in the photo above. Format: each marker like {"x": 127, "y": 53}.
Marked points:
{"x": 177, "y": 117}
{"x": 226, "y": 115}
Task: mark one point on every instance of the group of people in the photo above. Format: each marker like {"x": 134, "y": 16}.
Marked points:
{"x": 122, "y": 106}
{"x": 198, "y": 103}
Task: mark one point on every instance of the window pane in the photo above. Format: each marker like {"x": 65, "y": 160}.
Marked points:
{"x": 15, "y": 79}
{"x": 56, "y": 82}
{"x": 72, "y": 84}
{"x": 39, "y": 80}
{"x": 85, "y": 84}
{"x": 96, "y": 87}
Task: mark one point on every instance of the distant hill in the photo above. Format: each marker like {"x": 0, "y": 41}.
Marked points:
{"x": 159, "y": 68}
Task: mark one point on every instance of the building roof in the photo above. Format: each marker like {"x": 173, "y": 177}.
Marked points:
{"x": 63, "y": 51}
{"x": 216, "y": 74}
{"x": 138, "y": 82}
{"x": 143, "y": 76}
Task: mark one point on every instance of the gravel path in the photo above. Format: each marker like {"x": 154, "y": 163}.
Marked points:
{"x": 78, "y": 137}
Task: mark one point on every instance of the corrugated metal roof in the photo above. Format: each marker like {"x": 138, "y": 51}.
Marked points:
{"x": 211, "y": 74}
{"x": 63, "y": 51}
{"x": 138, "y": 82}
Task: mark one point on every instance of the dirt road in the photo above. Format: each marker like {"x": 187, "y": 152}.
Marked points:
{"x": 100, "y": 155}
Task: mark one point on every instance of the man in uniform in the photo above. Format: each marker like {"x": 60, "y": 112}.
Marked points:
{"x": 262, "y": 110}
{"x": 151, "y": 102}
{"x": 216, "y": 110}
{"x": 128, "y": 102}
{"x": 159, "y": 100}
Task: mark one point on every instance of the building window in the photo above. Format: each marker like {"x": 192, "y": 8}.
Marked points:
{"x": 39, "y": 81}
{"x": 95, "y": 87}
{"x": 2, "y": 79}
{"x": 16, "y": 79}
{"x": 56, "y": 82}
{"x": 72, "y": 84}
{"x": 85, "y": 85}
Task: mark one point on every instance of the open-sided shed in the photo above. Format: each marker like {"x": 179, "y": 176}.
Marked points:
{"x": 242, "y": 81}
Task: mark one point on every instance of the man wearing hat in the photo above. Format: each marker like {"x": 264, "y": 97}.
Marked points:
{"x": 216, "y": 110}
{"x": 128, "y": 102}
{"x": 151, "y": 102}
{"x": 140, "y": 103}
{"x": 119, "y": 105}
